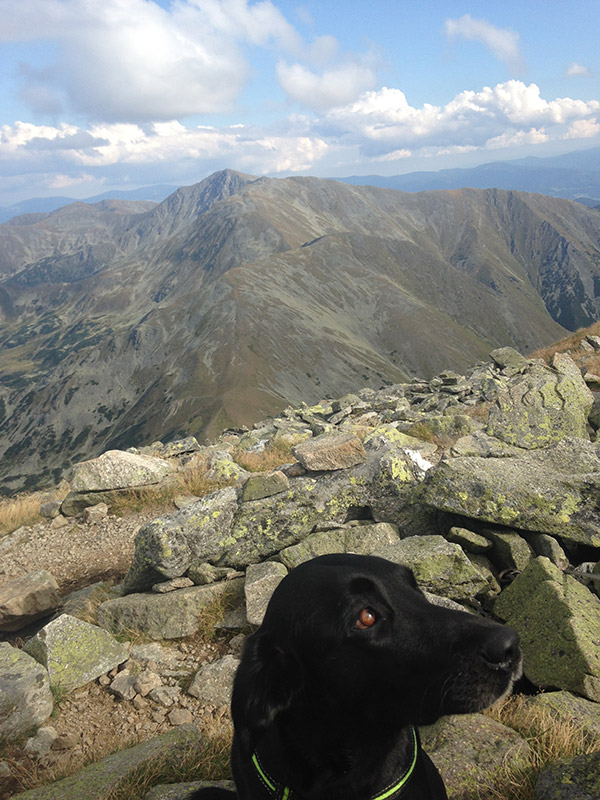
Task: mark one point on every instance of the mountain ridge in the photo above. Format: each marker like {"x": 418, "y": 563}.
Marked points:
{"x": 239, "y": 295}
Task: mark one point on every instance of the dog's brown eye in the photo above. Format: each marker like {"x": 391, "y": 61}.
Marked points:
{"x": 365, "y": 619}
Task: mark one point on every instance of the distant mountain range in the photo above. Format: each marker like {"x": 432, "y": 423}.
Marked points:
{"x": 124, "y": 321}
{"x": 574, "y": 176}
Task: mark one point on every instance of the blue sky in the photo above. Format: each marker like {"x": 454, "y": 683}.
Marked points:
{"x": 122, "y": 93}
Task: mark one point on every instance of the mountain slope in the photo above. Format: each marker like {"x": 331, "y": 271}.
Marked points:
{"x": 239, "y": 295}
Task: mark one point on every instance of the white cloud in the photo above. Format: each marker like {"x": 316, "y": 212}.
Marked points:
{"x": 503, "y": 42}
{"x": 575, "y": 70}
{"x": 334, "y": 87}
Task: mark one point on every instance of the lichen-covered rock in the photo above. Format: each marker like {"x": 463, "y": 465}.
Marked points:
{"x": 25, "y": 695}
{"x": 165, "y": 616}
{"x": 440, "y": 567}
{"x": 570, "y": 779}
{"x": 99, "y": 781}
{"x": 117, "y": 469}
{"x": 213, "y": 682}
{"x": 558, "y": 620}
{"x": 567, "y": 707}
{"x": 469, "y": 750}
{"x": 469, "y": 540}
{"x": 545, "y": 545}
{"x": 75, "y": 652}
{"x": 330, "y": 451}
{"x": 261, "y": 581}
{"x": 264, "y": 484}
{"x": 24, "y": 600}
{"x": 542, "y": 406}
{"x": 510, "y": 550}
{"x": 483, "y": 445}
{"x": 549, "y": 491}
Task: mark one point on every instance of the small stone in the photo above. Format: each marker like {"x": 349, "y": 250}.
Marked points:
{"x": 60, "y": 522}
{"x": 94, "y": 514}
{"x": 140, "y": 703}
{"x": 146, "y": 681}
{"x": 180, "y": 716}
{"x": 172, "y": 585}
{"x": 123, "y": 685}
{"x": 165, "y": 695}
{"x": 40, "y": 744}
{"x": 51, "y": 509}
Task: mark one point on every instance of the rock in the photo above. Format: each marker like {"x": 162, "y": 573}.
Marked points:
{"x": 165, "y": 695}
{"x": 469, "y": 540}
{"x": 567, "y": 707}
{"x": 510, "y": 551}
{"x": 25, "y": 695}
{"x": 545, "y": 545}
{"x": 440, "y": 567}
{"x": 182, "y": 500}
{"x": 509, "y": 359}
{"x": 483, "y": 445}
{"x": 164, "y": 658}
{"x": 184, "y": 791}
{"x": 180, "y": 716}
{"x": 97, "y": 513}
{"x": 165, "y": 616}
{"x": 470, "y": 749}
{"x": 542, "y": 406}
{"x": 330, "y": 451}
{"x": 224, "y": 468}
{"x": 123, "y": 685}
{"x": 202, "y": 574}
{"x": 545, "y": 491}
{"x": 261, "y": 581}
{"x": 27, "y": 599}
{"x": 172, "y": 585}
{"x": 50, "y": 509}
{"x": 75, "y": 652}
{"x": 146, "y": 681}
{"x": 558, "y": 620}
{"x": 264, "y": 484}
{"x": 213, "y": 683}
{"x": 594, "y": 341}
{"x": 40, "y": 745}
{"x": 179, "y": 447}
{"x": 101, "y": 780}
{"x": 82, "y": 602}
{"x": 363, "y": 539}
{"x": 570, "y": 779}
{"x": 117, "y": 469}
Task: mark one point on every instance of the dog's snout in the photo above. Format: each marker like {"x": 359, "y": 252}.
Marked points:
{"x": 501, "y": 647}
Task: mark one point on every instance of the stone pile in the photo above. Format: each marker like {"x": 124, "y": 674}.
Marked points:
{"x": 486, "y": 485}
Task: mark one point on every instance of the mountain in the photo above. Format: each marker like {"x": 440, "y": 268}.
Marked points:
{"x": 122, "y": 323}
{"x": 41, "y": 205}
{"x": 573, "y": 176}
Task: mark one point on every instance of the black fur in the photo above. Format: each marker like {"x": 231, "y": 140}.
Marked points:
{"x": 329, "y": 703}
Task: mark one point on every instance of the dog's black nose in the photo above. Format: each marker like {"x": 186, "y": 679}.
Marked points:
{"x": 501, "y": 647}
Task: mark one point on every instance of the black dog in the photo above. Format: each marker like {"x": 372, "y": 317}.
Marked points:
{"x": 349, "y": 658}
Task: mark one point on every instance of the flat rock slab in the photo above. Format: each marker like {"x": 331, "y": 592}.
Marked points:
{"x": 558, "y": 620}
{"x": 27, "y": 599}
{"x": 570, "y": 779}
{"x": 184, "y": 791}
{"x": 165, "y": 616}
{"x": 213, "y": 683}
{"x": 117, "y": 469}
{"x": 75, "y": 652}
{"x": 98, "y": 781}
{"x": 330, "y": 451}
{"x": 553, "y": 491}
{"x": 469, "y": 749}
{"x": 264, "y": 484}
{"x": 25, "y": 696}
{"x": 261, "y": 581}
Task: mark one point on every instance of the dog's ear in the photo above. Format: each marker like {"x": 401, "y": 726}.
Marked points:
{"x": 267, "y": 681}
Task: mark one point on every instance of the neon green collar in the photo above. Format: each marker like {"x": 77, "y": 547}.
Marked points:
{"x": 285, "y": 793}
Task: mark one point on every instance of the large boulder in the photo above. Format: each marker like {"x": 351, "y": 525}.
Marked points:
{"x": 225, "y": 532}
{"x": 75, "y": 652}
{"x": 551, "y": 491}
{"x": 27, "y": 599}
{"x": 558, "y": 620}
{"x": 25, "y": 695}
{"x": 542, "y": 405}
{"x": 165, "y": 616}
{"x": 440, "y": 567}
{"x": 118, "y": 469}
{"x": 570, "y": 779}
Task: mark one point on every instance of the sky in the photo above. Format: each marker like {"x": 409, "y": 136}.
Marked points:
{"x": 97, "y": 95}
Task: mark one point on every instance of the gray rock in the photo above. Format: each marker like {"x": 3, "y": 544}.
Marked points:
{"x": 570, "y": 779}
{"x": 261, "y": 581}
{"x": 440, "y": 567}
{"x": 509, "y": 358}
{"x": 101, "y": 780}
{"x": 184, "y": 791}
{"x": 165, "y": 696}
{"x": 567, "y": 707}
{"x": 469, "y": 540}
{"x": 96, "y": 513}
{"x": 362, "y": 539}
{"x": 483, "y": 445}
{"x": 117, "y": 469}
{"x": 201, "y": 574}
{"x": 213, "y": 683}
{"x": 179, "y": 447}
{"x": 545, "y": 545}
{"x": 264, "y": 484}
{"x": 542, "y": 406}
{"x": 330, "y": 451}
{"x": 40, "y": 745}
{"x": 172, "y": 585}
{"x": 470, "y": 749}
{"x": 165, "y": 616}
{"x": 558, "y": 620}
{"x": 123, "y": 685}
{"x": 50, "y": 509}
{"x": 545, "y": 491}
{"x": 25, "y": 695}
{"x": 510, "y": 550}
{"x": 180, "y": 716}
{"x": 75, "y": 652}
{"x": 27, "y": 599}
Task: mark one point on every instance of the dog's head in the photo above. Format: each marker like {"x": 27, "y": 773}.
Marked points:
{"x": 356, "y": 632}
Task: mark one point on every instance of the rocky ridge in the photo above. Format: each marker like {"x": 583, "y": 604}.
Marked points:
{"x": 485, "y": 484}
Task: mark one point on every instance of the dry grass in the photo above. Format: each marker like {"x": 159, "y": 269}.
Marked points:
{"x": 24, "y": 509}
{"x": 273, "y": 456}
{"x": 572, "y": 345}
{"x": 549, "y": 738}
